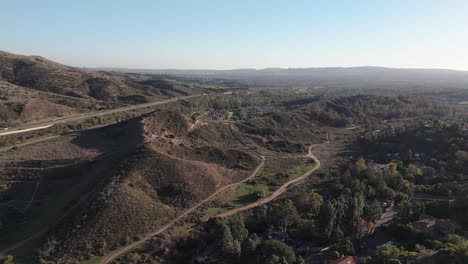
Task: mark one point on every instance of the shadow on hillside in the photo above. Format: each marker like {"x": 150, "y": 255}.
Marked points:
{"x": 116, "y": 137}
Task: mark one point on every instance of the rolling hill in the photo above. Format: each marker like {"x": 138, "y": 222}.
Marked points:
{"x": 154, "y": 168}
{"x": 35, "y": 88}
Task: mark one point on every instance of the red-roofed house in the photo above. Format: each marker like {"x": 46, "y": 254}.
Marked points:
{"x": 436, "y": 227}
{"x": 346, "y": 260}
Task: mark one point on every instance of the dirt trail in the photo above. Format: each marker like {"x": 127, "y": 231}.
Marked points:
{"x": 120, "y": 251}
{"x": 280, "y": 190}
{"x": 33, "y": 196}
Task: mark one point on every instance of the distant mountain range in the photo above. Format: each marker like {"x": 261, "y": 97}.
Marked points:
{"x": 285, "y": 71}
{"x": 336, "y": 77}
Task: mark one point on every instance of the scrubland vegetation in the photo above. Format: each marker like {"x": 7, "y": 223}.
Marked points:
{"x": 391, "y": 187}
{"x": 391, "y": 172}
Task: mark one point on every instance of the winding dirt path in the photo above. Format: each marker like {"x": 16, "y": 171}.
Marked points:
{"x": 122, "y": 250}
{"x": 33, "y": 196}
{"x": 280, "y": 190}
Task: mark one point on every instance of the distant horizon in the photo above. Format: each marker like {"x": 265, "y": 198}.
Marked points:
{"x": 232, "y": 69}
{"x": 221, "y": 35}
{"x": 240, "y": 68}
{"x": 273, "y": 68}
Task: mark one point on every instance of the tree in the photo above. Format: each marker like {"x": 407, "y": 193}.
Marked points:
{"x": 277, "y": 248}
{"x": 299, "y": 260}
{"x": 405, "y": 232}
{"x": 335, "y": 254}
{"x": 358, "y": 186}
{"x": 236, "y": 248}
{"x": 348, "y": 247}
{"x": 405, "y": 212}
{"x": 414, "y": 170}
{"x": 227, "y": 241}
{"x": 356, "y": 210}
{"x": 308, "y": 203}
{"x": 260, "y": 193}
{"x": 388, "y": 254}
{"x": 250, "y": 244}
{"x": 372, "y": 211}
{"x": 391, "y": 169}
{"x": 273, "y": 259}
{"x": 305, "y": 229}
{"x": 237, "y": 227}
{"x": 360, "y": 165}
{"x": 387, "y": 192}
{"x": 428, "y": 171}
{"x": 327, "y": 218}
{"x": 400, "y": 197}
{"x": 407, "y": 187}
{"x": 316, "y": 201}
{"x": 462, "y": 160}
{"x": 133, "y": 258}
{"x": 385, "y": 253}
{"x": 8, "y": 260}
{"x": 283, "y": 214}
{"x": 340, "y": 208}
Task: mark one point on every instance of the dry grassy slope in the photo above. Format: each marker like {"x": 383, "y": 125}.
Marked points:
{"x": 168, "y": 87}
{"x": 282, "y": 126}
{"x": 33, "y": 87}
{"x": 44, "y": 75}
{"x": 164, "y": 123}
{"x": 160, "y": 178}
{"x": 290, "y": 129}
{"x": 160, "y": 85}
{"x": 310, "y": 112}
{"x": 19, "y": 105}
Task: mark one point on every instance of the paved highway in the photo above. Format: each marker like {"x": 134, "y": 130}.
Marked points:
{"x": 46, "y": 124}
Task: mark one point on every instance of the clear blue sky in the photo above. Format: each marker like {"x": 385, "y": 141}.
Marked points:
{"x": 221, "y": 34}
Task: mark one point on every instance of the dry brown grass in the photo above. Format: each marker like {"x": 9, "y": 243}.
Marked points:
{"x": 158, "y": 180}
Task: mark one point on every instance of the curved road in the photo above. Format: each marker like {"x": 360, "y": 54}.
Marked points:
{"x": 280, "y": 190}
{"x": 122, "y": 250}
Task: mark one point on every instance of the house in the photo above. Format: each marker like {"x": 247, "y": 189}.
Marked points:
{"x": 435, "y": 227}
{"x": 346, "y": 260}
{"x": 372, "y": 164}
{"x": 424, "y": 225}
